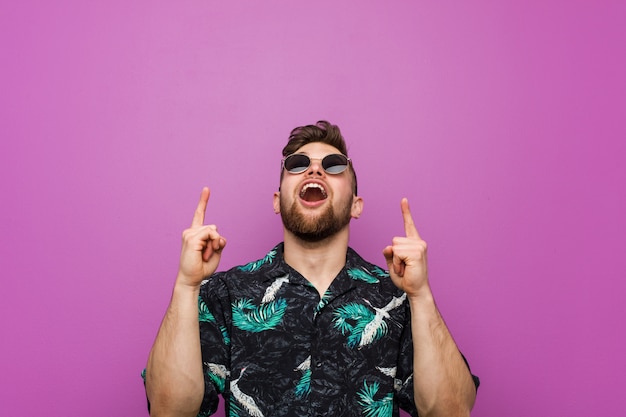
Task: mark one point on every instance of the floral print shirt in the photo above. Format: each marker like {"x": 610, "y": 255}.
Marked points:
{"x": 271, "y": 346}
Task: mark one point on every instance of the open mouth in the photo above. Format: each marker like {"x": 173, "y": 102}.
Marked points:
{"x": 313, "y": 192}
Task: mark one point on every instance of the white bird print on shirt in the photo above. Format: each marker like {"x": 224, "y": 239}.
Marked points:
{"x": 374, "y": 326}
{"x": 244, "y": 399}
{"x": 388, "y": 371}
{"x": 270, "y": 292}
{"x": 305, "y": 365}
{"x": 218, "y": 369}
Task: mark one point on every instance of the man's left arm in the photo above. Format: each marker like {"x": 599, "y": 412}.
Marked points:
{"x": 442, "y": 380}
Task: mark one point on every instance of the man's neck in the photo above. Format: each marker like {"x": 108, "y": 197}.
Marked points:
{"x": 318, "y": 262}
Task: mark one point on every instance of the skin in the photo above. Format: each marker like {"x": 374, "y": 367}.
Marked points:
{"x": 320, "y": 261}
{"x": 174, "y": 380}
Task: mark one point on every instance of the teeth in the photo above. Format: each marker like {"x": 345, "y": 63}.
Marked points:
{"x": 312, "y": 185}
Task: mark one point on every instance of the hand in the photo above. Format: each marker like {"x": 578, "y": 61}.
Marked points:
{"x": 406, "y": 258}
{"x": 202, "y": 247}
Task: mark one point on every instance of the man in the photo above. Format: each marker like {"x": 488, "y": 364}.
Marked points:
{"x": 311, "y": 329}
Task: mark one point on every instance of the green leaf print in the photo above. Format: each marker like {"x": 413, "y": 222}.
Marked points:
{"x": 203, "y": 312}
{"x": 379, "y": 272}
{"x": 251, "y": 318}
{"x": 253, "y": 266}
{"x": 304, "y": 385}
{"x": 372, "y": 407}
{"x": 352, "y": 319}
{"x": 361, "y": 274}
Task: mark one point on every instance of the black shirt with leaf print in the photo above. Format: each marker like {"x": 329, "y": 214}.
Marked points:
{"x": 273, "y": 347}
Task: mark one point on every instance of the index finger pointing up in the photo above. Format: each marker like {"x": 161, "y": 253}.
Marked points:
{"x": 198, "y": 216}
{"x": 409, "y": 225}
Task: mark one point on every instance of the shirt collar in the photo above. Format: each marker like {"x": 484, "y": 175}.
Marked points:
{"x": 343, "y": 281}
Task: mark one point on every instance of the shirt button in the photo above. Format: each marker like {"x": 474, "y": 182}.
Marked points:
{"x": 318, "y": 364}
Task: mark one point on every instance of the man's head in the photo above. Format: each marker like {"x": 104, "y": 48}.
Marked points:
{"x": 317, "y": 196}
{"x": 323, "y": 132}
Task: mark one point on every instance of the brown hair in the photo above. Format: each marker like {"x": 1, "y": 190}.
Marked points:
{"x": 321, "y": 131}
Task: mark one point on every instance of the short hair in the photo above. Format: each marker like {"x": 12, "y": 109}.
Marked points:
{"x": 323, "y": 132}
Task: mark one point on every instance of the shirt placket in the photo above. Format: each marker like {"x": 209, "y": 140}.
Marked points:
{"x": 326, "y": 375}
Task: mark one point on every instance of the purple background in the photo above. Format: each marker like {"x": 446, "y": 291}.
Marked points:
{"x": 504, "y": 125}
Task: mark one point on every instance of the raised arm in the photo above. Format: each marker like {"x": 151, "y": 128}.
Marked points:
{"x": 442, "y": 381}
{"x": 174, "y": 379}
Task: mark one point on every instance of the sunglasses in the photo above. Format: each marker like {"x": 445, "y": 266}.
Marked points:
{"x": 297, "y": 163}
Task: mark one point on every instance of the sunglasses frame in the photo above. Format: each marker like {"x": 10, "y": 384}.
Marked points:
{"x": 347, "y": 164}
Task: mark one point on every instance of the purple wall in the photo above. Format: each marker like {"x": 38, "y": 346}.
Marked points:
{"x": 503, "y": 124}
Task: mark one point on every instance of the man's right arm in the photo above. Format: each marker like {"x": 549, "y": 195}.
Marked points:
{"x": 174, "y": 376}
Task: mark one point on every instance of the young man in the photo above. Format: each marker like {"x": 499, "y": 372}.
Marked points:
{"x": 311, "y": 329}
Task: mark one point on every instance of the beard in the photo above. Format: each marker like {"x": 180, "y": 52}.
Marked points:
{"x": 314, "y": 229}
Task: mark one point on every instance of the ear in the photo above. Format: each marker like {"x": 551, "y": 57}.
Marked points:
{"x": 276, "y": 202}
{"x": 357, "y": 207}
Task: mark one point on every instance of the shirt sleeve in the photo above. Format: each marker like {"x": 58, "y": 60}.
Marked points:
{"x": 404, "y": 373}
{"x": 213, "y": 313}
{"x": 474, "y": 377}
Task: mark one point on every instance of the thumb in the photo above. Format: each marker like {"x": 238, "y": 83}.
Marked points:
{"x": 388, "y": 254}
{"x": 394, "y": 264}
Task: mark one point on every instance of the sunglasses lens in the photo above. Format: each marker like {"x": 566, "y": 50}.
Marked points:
{"x": 335, "y": 163}
{"x": 297, "y": 163}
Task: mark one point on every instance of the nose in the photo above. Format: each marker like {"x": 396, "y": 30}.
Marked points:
{"x": 315, "y": 167}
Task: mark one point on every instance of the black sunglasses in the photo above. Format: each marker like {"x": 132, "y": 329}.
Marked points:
{"x": 297, "y": 163}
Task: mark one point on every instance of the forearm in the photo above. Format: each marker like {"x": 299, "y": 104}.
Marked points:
{"x": 442, "y": 381}
{"x": 174, "y": 379}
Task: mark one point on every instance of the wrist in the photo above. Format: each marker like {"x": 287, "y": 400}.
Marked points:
{"x": 422, "y": 296}
{"x": 185, "y": 285}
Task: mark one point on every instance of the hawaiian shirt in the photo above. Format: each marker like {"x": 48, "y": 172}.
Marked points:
{"x": 271, "y": 346}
